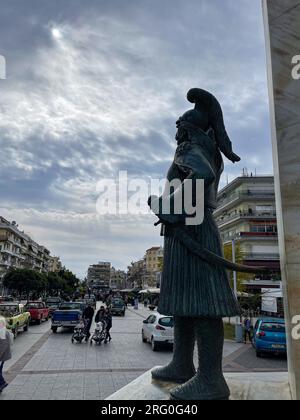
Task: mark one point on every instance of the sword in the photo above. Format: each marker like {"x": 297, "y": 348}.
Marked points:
{"x": 208, "y": 256}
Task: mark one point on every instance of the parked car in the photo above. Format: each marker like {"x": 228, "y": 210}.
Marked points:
{"x": 158, "y": 330}
{"x": 16, "y": 316}
{"x": 270, "y": 337}
{"x": 118, "y": 307}
{"x": 68, "y": 315}
{"x": 38, "y": 311}
{"x": 53, "y": 303}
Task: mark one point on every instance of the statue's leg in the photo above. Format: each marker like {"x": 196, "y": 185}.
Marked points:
{"x": 181, "y": 368}
{"x": 209, "y": 382}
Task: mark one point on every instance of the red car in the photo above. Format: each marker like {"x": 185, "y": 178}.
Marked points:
{"x": 38, "y": 311}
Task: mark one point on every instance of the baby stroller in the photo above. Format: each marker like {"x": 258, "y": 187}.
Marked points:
{"x": 80, "y": 332}
{"x": 99, "y": 334}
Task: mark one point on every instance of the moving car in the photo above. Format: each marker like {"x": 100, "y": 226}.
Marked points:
{"x": 68, "y": 315}
{"x": 270, "y": 337}
{"x": 16, "y": 316}
{"x": 158, "y": 330}
{"x": 38, "y": 311}
{"x": 118, "y": 307}
{"x": 53, "y": 303}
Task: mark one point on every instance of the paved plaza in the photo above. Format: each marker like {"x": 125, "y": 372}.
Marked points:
{"x": 48, "y": 366}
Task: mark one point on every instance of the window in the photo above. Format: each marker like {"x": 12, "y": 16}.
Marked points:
{"x": 264, "y": 209}
{"x": 151, "y": 319}
{"x": 167, "y": 322}
{"x": 272, "y": 327}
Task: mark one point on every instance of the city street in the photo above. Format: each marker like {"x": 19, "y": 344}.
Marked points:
{"x": 49, "y": 366}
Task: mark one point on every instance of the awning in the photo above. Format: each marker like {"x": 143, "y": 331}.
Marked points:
{"x": 150, "y": 291}
{"x": 243, "y": 294}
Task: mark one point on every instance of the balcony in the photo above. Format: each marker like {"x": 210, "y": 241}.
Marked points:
{"x": 252, "y": 236}
{"x": 261, "y": 257}
{"x": 4, "y": 263}
{"x": 235, "y": 198}
{"x": 226, "y": 219}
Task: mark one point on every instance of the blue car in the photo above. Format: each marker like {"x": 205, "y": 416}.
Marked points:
{"x": 270, "y": 337}
{"x": 68, "y": 315}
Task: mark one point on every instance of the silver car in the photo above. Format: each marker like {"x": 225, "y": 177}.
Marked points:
{"x": 158, "y": 330}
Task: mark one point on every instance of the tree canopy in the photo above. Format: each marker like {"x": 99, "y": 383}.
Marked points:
{"x": 27, "y": 282}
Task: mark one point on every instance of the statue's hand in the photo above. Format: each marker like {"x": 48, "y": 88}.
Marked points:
{"x": 234, "y": 158}
{"x": 153, "y": 203}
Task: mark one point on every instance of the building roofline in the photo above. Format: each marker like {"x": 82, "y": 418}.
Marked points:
{"x": 154, "y": 248}
{"x": 241, "y": 179}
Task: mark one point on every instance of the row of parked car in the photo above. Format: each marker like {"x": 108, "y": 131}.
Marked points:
{"x": 269, "y": 336}
{"x": 19, "y": 316}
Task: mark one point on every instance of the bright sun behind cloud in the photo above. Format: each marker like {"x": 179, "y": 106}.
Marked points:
{"x": 56, "y": 33}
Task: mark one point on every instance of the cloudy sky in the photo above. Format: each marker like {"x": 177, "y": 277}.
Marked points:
{"x": 95, "y": 86}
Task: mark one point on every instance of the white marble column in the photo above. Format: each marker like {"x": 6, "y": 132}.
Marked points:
{"x": 282, "y": 27}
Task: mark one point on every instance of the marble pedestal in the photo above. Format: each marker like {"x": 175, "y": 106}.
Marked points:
{"x": 243, "y": 386}
{"x": 282, "y": 24}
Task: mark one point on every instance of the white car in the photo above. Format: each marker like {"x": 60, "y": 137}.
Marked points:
{"x": 158, "y": 329}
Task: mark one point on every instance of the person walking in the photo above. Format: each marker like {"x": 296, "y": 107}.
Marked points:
{"x": 136, "y": 303}
{"x": 247, "y": 330}
{"x": 100, "y": 315}
{"x": 5, "y": 350}
{"x": 88, "y": 315}
{"x": 108, "y": 319}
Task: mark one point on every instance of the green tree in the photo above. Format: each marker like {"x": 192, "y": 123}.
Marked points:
{"x": 239, "y": 258}
{"x": 55, "y": 284}
{"x": 25, "y": 282}
{"x": 70, "y": 280}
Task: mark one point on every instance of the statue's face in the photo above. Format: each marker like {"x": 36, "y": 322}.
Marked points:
{"x": 182, "y": 128}
{"x": 182, "y": 134}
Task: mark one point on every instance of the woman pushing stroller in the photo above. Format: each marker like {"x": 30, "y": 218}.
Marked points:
{"x": 103, "y": 322}
{"x": 108, "y": 319}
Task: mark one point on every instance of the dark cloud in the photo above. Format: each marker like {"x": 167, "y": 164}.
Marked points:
{"x": 101, "y": 94}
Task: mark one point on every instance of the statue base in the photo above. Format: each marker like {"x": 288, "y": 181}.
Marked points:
{"x": 246, "y": 386}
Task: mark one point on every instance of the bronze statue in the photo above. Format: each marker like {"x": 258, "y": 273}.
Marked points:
{"x": 195, "y": 285}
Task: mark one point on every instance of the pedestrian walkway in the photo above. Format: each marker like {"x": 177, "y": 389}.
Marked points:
{"x": 53, "y": 368}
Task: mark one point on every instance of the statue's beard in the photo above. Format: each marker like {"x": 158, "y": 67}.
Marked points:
{"x": 181, "y": 135}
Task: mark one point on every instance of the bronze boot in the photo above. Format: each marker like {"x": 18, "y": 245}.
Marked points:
{"x": 209, "y": 382}
{"x": 181, "y": 368}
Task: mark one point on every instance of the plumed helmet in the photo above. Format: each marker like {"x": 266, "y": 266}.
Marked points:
{"x": 205, "y": 100}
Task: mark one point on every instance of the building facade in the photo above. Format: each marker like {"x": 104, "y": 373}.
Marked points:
{"x": 153, "y": 264}
{"x": 118, "y": 279}
{"x": 136, "y": 274}
{"x": 98, "y": 277}
{"x": 18, "y": 250}
{"x": 55, "y": 265}
{"x": 246, "y": 213}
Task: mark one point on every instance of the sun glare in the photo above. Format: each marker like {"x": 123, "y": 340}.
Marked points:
{"x": 56, "y": 33}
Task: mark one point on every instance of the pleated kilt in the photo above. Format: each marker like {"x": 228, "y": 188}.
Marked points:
{"x": 191, "y": 287}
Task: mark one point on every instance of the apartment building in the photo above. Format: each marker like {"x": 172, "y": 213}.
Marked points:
{"x": 55, "y": 264}
{"x": 98, "y": 277}
{"x": 118, "y": 279}
{"x": 247, "y": 213}
{"x": 18, "y": 250}
{"x": 153, "y": 265}
{"x": 136, "y": 274}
